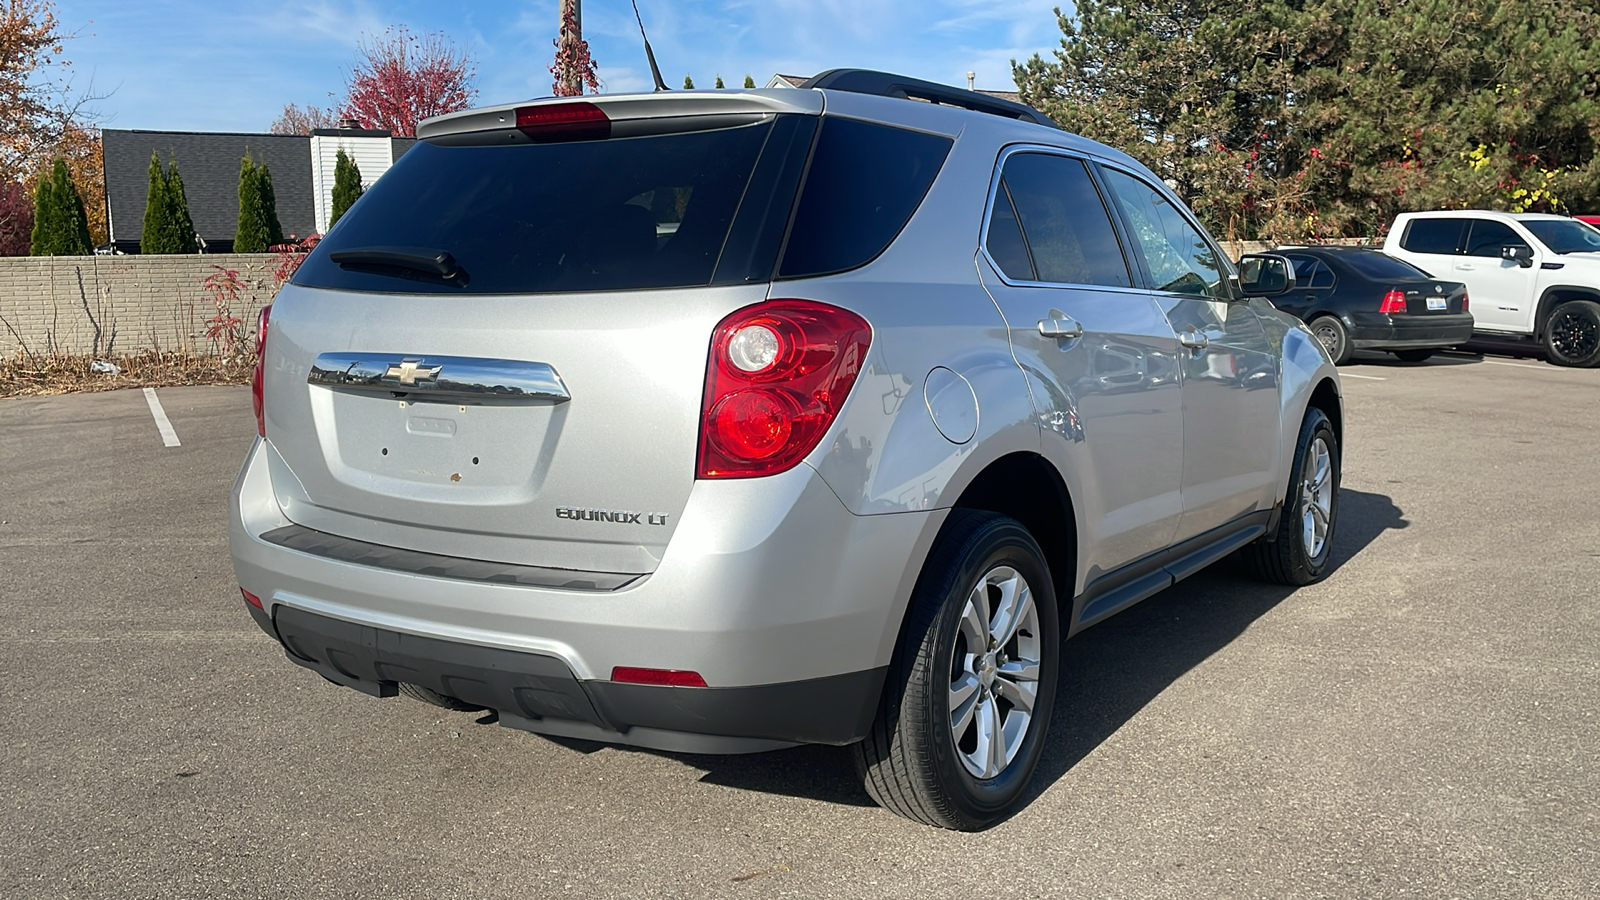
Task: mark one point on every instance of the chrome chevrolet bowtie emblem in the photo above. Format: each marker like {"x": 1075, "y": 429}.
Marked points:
{"x": 411, "y": 371}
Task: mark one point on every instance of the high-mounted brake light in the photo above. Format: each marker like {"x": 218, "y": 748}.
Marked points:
{"x": 1393, "y": 302}
{"x": 668, "y": 677}
{"x": 575, "y": 121}
{"x": 778, "y": 374}
{"x": 258, "y": 377}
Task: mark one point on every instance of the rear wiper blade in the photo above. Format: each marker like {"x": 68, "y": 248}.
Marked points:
{"x": 420, "y": 260}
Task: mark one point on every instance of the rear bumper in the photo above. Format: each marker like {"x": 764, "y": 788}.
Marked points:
{"x": 785, "y": 603}
{"x": 1381, "y": 331}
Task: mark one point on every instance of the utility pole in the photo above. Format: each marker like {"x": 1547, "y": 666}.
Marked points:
{"x": 571, "y": 13}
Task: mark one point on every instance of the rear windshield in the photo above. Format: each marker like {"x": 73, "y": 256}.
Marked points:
{"x": 674, "y": 210}
{"x": 622, "y": 214}
{"x": 1380, "y": 267}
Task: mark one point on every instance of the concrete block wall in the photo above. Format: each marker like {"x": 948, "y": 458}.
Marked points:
{"x": 133, "y": 303}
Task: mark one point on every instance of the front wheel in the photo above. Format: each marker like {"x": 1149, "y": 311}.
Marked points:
{"x": 1334, "y": 336}
{"x": 1413, "y": 356}
{"x": 966, "y": 707}
{"x": 1297, "y": 553}
{"x": 1572, "y": 336}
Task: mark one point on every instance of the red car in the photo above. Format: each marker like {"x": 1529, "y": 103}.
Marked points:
{"x": 1592, "y": 220}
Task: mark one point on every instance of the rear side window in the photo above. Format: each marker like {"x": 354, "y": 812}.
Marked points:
{"x": 1433, "y": 236}
{"x": 620, "y": 214}
{"x": 864, "y": 182}
{"x": 1487, "y": 237}
{"x": 1068, "y": 232}
{"x": 1380, "y": 267}
{"x": 1311, "y": 273}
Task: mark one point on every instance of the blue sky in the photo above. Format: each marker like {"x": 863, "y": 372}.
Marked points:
{"x": 208, "y": 66}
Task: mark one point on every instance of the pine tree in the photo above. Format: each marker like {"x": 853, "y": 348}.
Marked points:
{"x": 181, "y": 225}
{"x": 749, "y": 82}
{"x": 60, "y": 227}
{"x": 688, "y": 83}
{"x": 269, "y": 206}
{"x": 251, "y": 235}
{"x": 720, "y": 85}
{"x": 346, "y": 186}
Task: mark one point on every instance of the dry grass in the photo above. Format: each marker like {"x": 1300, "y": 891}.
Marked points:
{"x": 31, "y": 374}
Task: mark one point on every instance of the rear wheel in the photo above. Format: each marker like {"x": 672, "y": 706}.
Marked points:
{"x": 1572, "y": 336}
{"x": 1334, "y": 336}
{"x": 1413, "y": 356}
{"x": 964, "y": 713}
{"x": 445, "y": 701}
{"x": 1297, "y": 554}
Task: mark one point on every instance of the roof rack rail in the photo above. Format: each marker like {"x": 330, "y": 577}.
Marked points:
{"x": 885, "y": 84}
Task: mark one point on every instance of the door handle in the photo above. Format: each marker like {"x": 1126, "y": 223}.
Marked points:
{"x": 1464, "y": 268}
{"x": 1194, "y": 340}
{"x": 1060, "y": 326}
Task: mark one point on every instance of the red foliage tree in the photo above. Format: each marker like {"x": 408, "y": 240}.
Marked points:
{"x": 573, "y": 67}
{"x": 16, "y": 219}
{"x": 402, "y": 79}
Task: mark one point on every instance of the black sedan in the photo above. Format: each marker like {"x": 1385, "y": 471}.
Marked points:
{"x": 1358, "y": 299}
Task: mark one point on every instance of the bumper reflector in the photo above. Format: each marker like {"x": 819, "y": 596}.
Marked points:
{"x": 252, "y": 599}
{"x": 669, "y": 677}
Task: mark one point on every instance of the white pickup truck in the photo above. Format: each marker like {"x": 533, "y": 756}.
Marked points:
{"x": 1530, "y": 276}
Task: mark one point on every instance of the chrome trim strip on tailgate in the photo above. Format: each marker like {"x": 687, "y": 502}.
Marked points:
{"x": 361, "y": 553}
{"x": 445, "y": 376}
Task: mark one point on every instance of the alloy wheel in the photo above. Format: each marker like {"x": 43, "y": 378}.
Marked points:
{"x": 994, "y": 679}
{"x": 1573, "y": 335}
{"x": 1316, "y": 497}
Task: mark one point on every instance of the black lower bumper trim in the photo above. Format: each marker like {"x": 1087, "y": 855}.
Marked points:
{"x": 540, "y": 693}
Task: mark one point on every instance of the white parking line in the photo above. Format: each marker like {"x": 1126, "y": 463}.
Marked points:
{"x": 1496, "y": 362}
{"x": 169, "y": 437}
{"x": 1368, "y": 377}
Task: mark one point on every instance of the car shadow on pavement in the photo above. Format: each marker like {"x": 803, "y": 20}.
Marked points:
{"x": 1109, "y": 672}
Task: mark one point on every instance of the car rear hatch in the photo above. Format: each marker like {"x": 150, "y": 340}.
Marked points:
{"x": 499, "y": 352}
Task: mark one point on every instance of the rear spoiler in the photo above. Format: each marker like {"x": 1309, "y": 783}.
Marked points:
{"x": 630, "y": 114}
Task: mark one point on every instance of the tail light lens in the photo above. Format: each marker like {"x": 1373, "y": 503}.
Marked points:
{"x": 667, "y": 677}
{"x": 1464, "y": 299}
{"x": 778, "y": 374}
{"x": 259, "y": 375}
{"x": 1393, "y": 302}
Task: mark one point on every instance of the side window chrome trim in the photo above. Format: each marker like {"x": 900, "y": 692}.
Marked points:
{"x": 1006, "y": 153}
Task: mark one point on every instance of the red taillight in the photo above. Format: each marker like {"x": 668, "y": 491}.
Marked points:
{"x": 1464, "y": 301}
{"x": 778, "y": 374}
{"x": 1393, "y": 302}
{"x": 257, "y": 394}
{"x": 669, "y": 677}
{"x": 252, "y": 599}
{"x": 576, "y": 121}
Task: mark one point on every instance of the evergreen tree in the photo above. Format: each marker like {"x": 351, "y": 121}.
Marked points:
{"x": 269, "y": 206}
{"x": 720, "y": 85}
{"x": 749, "y": 82}
{"x": 60, "y": 227}
{"x": 346, "y": 186}
{"x": 155, "y": 210}
{"x": 167, "y": 226}
{"x": 251, "y": 235}
{"x": 688, "y": 83}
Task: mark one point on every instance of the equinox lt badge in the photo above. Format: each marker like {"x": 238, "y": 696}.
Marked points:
{"x": 610, "y": 515}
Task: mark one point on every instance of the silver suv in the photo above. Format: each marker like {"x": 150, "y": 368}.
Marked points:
{"x": 727, "y": 421}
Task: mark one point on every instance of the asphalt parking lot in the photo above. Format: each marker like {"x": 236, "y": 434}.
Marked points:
{"x": 1425, "y": 722}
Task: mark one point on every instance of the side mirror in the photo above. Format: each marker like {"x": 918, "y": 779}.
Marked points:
{"x": 1521, "y": 254}
{"x": 1265, "y": 275}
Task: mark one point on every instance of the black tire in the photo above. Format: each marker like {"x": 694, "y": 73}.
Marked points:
{"x": 1283, "y": 557}
{"x": 1413, "y": 356}
{"x": 911, "y": 760}
{"x": 1572, "y": 334}
{"x": 418, "y": 692}
{"x": 1333, "y": 335}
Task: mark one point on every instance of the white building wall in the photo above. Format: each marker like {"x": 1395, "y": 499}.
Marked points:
{"x": 373, "y": 155}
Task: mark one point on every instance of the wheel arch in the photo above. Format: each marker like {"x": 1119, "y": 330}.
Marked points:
{"x": 1026, "y": 487}
{"x": 1554, "y": 296}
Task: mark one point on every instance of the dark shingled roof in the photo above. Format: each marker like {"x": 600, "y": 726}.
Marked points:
{"x": 209, "y": 163}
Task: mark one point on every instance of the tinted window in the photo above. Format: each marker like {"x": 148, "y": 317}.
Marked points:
{"x": 1005, "y": 239}
{"x": 1565, "y": 237}
{"x": 1379, "y": 267}
{"x": 864, "y": 183}
{"x": 619, "y": 214}
{"x": 1067, "y": 228}
{"x": 1433, "y": 235}
{"x": 1311, "y": 273}
{"x": 1488, "y": 236}
{"x": 1179, "y": 258}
